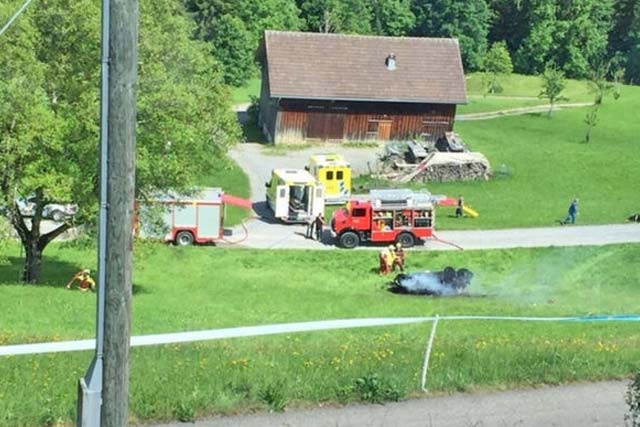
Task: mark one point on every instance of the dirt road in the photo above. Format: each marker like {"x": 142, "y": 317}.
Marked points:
{"x": 593, "y": 404}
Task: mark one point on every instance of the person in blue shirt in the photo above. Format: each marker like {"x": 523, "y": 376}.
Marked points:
{"x": 571, "y": 214}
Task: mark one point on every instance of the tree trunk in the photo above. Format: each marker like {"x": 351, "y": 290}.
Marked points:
{"x": 32, "y": 241}
{"x": 32, "y": 262}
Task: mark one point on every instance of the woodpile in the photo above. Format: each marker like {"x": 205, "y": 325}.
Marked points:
{"x": 438, "y": 167}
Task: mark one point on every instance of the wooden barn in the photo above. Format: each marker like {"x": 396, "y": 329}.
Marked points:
{"x": 333, "y": 87}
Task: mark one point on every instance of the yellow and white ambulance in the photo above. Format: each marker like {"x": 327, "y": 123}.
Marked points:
{"x": 294, "y": 195}
{"x": 334, "y": 172}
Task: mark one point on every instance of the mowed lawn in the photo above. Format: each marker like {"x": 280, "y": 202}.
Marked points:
{"x": 180, "y": 289}
{"x": 547, "y": 164}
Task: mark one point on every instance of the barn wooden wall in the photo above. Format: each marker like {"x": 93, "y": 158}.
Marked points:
{"x": 300, "y": 120}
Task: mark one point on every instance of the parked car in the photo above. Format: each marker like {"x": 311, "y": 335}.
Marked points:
{"x": 54, "y": 211}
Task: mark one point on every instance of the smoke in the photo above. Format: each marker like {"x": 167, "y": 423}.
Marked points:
{"x": 440, "y": 283}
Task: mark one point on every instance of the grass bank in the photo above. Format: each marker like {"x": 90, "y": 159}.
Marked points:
{"x": 178, "y": 289}
{"x": 232, "y": 180}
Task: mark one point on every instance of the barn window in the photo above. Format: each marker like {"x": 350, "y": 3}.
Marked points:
{"x": 372, "y": 129}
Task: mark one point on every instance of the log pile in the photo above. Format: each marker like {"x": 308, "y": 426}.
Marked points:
{"x": 438, "y": 167}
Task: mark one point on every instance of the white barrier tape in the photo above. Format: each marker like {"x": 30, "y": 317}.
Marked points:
{"x": 215, "y": 334}
{"x": 282, "y": 328}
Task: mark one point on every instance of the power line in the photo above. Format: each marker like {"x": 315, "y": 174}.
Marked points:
{"x": 14, "y": 17}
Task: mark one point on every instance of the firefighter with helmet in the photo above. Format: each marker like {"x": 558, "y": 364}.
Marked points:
{"x": 398, "y": 259}
{"x": 386, "y": 261}
{"x": 85, "y": 282}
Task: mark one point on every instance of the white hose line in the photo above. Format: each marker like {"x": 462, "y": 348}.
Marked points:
{"x": 427, "y": 354}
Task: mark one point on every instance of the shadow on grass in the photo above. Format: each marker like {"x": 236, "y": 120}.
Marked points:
{"x": 55, "y": 274}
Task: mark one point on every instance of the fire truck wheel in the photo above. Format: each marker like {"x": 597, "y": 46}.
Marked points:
{"x": 349, "y": 240}
{"x": 184, "y": 238}
{"x": 406, "y": 240}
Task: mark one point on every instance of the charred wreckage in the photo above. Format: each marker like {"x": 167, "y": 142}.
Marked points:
{"x": 448, "y": 282}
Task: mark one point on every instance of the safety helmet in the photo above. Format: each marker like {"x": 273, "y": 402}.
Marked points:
{"x": 391, "y": 247}
{"x": 398, "y": 245}
{"x": 86, "y": 271}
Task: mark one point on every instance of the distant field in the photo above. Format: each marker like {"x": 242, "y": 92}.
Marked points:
{"x": 244, "y": 93}
{"x": 528, "y": 86}
{"x": 178, "y": 289}
{"x": 518, "y": 91}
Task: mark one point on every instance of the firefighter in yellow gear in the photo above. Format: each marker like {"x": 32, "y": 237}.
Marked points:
{"x": 398, "y": 260}
{"x": 391, "y": 258}
{"x": 85, "y": 282}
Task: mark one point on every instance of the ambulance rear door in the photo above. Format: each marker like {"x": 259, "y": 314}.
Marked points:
{"x": 281, "y": 209}
{"x": 317, "y": 203}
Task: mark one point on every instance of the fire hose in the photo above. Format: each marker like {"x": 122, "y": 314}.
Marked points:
{"x": 436, "y": 238}
{"x": 244, "y": 228}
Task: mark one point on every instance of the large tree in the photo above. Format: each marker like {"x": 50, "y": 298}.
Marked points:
{"x": 392, "y": 17}
{"x": 234, "y": 29}
{"x": 336, "y": 16}
{"x": 624, "y": 38}
{"x": 570, "y": 33}
{"x": 466, "y": 20}
{"x": 49, "y": 112}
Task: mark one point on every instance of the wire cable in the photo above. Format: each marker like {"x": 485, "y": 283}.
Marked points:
{"x": 14, "y": 17}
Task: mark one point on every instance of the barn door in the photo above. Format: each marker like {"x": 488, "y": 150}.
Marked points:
{"x": 384, "y": 130}
{"x": 315, "y": 126}
{"x": 325, "y": 126}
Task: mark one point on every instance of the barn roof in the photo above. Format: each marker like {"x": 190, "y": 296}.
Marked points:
{"x": 354, "y": 67}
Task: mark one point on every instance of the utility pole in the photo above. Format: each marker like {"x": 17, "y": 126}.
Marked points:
{"x": 123, "y": 42}
{"x": 104, "y": 391}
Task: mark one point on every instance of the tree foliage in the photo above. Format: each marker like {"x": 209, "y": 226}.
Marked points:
{"x": 624, "y": 38}
{"x": 466, "y": 20}
{"x": 49, "y": 111}
{"x": 392, "y": 17}
{"x": 572, "y": 34}
{"x": 234, "y": 29}
{"x": 337, "y": 16}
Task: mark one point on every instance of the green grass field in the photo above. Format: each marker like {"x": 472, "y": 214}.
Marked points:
{"x": 240, "y": 95}
{"x": 179, "y": 289}
{"x": 548, "y": 165}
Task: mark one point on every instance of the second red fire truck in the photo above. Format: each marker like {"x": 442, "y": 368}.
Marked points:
{"x": 386, "y": 216}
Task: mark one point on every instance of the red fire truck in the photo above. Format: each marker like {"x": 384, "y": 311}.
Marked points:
{"x": 386, "y": 216}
